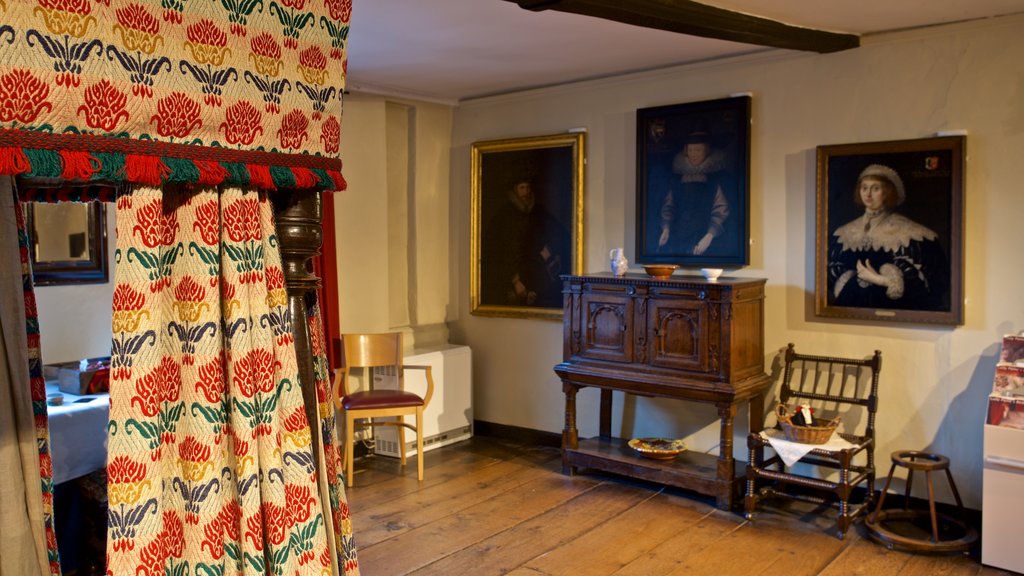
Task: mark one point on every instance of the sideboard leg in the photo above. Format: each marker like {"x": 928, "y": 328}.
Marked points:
{"x": 726, "y": 463}
{"x": 570, "y": 436}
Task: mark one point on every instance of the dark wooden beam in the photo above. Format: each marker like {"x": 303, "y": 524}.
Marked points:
{"x": 687, "y": 17}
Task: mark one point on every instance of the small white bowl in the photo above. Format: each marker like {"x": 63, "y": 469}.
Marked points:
{"x": 711, "y": 274}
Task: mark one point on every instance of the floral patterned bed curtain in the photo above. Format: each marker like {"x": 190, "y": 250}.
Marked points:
{"x": 210, "y": 465}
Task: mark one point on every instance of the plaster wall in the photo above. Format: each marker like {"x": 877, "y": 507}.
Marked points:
{"x": 935, "y": 379}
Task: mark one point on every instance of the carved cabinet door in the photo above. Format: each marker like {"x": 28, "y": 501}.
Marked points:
{"x": 678, "y": 334}
{"x": 607, "y": 323}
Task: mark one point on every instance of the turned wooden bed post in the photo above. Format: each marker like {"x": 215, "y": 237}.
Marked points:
{"x": 299, "y": 216}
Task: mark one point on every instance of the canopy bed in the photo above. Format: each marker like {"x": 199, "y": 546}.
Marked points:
{"x": 214, "y": 129}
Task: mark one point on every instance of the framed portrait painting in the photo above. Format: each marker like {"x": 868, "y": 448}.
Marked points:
{"x": 889, "y": 231}
{"x": 526, "y": 224}
{"x": 692, "y": 190}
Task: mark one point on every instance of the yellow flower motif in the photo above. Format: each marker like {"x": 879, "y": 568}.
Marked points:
{"x": 127, "y": 492}
{"x": 190, "y": 311}
{"x": 266, "y": 65}
{"x": 299, "y": 439}
{"x": 314, "y": 76}
{"x": 206, "y": 54}
{"x": 194, "y": 471}
{"x": 128, "y": 320}
{"x": 60, "y": 22}
{"x": 137, "y": 40}
{"x": 277, "y": 297}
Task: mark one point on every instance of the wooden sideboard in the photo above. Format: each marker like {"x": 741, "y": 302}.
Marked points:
{"x": 682, "y": 338}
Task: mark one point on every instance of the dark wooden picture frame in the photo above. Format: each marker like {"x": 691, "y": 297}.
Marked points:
{"x": 85, "y": 235}
{"x": 527, "y": 224}
{"x": 693, "y": 185}
{"x": 904, "y": 261}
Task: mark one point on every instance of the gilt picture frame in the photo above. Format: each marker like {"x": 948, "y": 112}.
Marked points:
{"x": 526, "y": 224}
{"x": 692, "y": 184}
{"x": 889, "y": 231}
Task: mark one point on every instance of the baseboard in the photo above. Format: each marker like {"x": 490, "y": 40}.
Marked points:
{"x": 517, "y": 434}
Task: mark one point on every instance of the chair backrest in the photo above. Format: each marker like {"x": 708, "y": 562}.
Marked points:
{"x": 367, "y": 351}
{"x": 834, "y": 384}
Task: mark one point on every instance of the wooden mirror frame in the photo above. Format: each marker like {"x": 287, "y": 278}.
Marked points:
{"x": 92, "y": 270}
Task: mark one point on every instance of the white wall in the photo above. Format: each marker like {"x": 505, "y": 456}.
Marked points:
{"x": 906, "y": 85}
{"x": 391, "y": 224}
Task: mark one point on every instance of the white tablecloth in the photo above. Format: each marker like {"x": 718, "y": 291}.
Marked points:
{"x": 78, "y": 433}
{"x": 792, "y": 452}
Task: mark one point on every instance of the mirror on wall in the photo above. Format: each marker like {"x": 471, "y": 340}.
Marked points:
{"x": 68, "y": 243}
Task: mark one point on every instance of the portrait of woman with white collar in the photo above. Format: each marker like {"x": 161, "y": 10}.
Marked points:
{"x": 883, "y": 259}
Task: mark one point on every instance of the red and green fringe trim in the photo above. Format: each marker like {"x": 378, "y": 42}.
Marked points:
{"x": 76, "y": 158}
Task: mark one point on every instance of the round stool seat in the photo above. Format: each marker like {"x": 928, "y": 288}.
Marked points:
{"x": 916, "y": 460}
{"x": 920, "y": 530}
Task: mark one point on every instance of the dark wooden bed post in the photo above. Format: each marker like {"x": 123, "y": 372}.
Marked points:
{"x": 299, "y": 215}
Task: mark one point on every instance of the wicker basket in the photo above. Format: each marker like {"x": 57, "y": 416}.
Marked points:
{"x": 804, "y": 434}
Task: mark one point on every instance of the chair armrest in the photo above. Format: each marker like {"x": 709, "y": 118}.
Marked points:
{"x": 430, "y": 380}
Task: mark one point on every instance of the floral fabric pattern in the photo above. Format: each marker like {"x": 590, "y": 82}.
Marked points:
{"x": 240, "y": 83}
{"x": 210, "y": 464}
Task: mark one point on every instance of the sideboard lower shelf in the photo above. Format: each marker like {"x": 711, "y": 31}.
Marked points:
{"x": 690, "y": 470}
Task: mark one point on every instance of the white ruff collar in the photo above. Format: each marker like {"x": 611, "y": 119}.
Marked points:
{"x": 887, "y": 231}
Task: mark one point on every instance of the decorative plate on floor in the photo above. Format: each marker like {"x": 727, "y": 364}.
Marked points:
{"x": 658, "y": 448}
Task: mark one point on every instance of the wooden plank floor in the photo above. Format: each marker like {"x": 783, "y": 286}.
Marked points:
{"x": 489, "y": 506}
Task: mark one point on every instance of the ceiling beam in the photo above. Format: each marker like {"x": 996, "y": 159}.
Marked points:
{"x": 695, "y": 19}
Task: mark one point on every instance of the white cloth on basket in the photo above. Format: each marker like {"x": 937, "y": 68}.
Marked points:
{"x": 791, "y": 452}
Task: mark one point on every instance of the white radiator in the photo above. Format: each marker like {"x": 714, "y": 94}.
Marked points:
{"x": 449, "y": 416}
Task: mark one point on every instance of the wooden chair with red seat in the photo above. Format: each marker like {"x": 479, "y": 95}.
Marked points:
{"x": 366, "y": 352}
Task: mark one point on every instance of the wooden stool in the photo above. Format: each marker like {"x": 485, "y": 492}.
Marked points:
{"x": 963, "y": 534}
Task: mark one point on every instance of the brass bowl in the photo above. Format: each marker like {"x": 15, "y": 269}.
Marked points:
{"x": 660, "y": 271}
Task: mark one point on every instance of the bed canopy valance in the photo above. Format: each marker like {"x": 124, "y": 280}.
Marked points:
{"x": 215, "y": 126}
{"x": 213, "y": 92}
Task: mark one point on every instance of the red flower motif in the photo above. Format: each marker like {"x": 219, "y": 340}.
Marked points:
{"x": 75, "y": 6}
{"x": 296, "y": 4}
{"x": 104, "y": 106}
{"x": 162, "y": 384}
{"x": 275, "y": 278}
{"x": 255, "y": 372}
{"x": 330, "y": 135}
{"x": 188, "y": 290}
{"x": 299, "y": 502}
{"x": 241, "y": 447}
{"x": 124, "y": 470}
{"x": 152, "y": 558}
{"x": 293, "y": 129}
{"x": 313, "y": 57}
{"x": 173, "y": 534}
{"x": 296, "y": 421}
{"x": 206, "y": 32}
{"x": 213, "y": 538}
{"x": 177, "y": 115}
{"x": 242, "y": 123}
{"x": 211, "y": 380}
{"x": 126, "y": 299}
{"x": 264, "y": 45}
{"x": 254, "y": 530}
{"x": 136, "y": 17}
{"x": 340, "y": 10}
{"x": 191, "y": 450}
{"x": 231, "y": 519}
{"x": 154, "y": 226}
{"x": 275, "y": 520}
{"x": 242, "y": 220}
{"x": 22, "y": 96}
{"x": 207, "y": 222}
